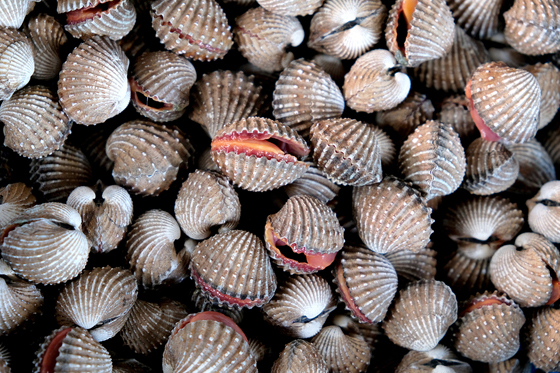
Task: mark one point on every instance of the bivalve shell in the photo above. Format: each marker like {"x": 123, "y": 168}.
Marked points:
{"x": 343, "y": 354}
{"x": 14, "y": 199}
{"x": 14, "y": 12}
{"x": 440, "y": 359}
{"x": 300, "y": 356}
{"x": 455, "y": 111}
{"x": 544, "y": 211}
{"x": 331, "y": 65}
{"x": 18, "y": 301}
{"x": 512, "y": 365}
{"x": 315, "y": 183}
{"x": 548, "y": 77}
{"x": 202, "y": 304}
{"x": 477, "y": 17}
{"x": 291, "y": 7}
{"x": 17, "y": 62}
{"x": 48, "y": 37}
{"x": 535, "y": 167}
{"x": 414, "y": 266}
{"x": 543, "y": 349}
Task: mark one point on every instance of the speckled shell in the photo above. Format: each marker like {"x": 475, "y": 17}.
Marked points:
{"x": 207, "y": 200}
{"x": 455, "y": 111}
{"x": 223, "y": 97}
{"x": 375, "y": 82}
{"x": 544, "y": 211}
{"x": 14, "y": 12}
{"x": 291, "y": 7}
{"x": 535, "y": 167}
{"x": 533, "y": 27}
{"x": 197, "y": 29}
{"x": 479, "y": 18}
{"x": 331, "y": 65}
{"x": 440, "y": 359}
{"x": 300, "y": 356}
{"x": 346, "y": 28}
{"x": 34, "y": 123}
{"x": 414, "y": 266}
{"x": 347, "y": 151}
{"x": 18, "y": 301}
{"x": 315, "y": 183}
{"x": 262, "y": 38}
{"x": 258, "y": 349}
{"x": 151, "y": 251}
{"x": 105, "y": 214}
{"x": 548, "y": 77}
{"x": 452, "y": 71}
{"x": 304, "y": 95}
{"x": 420, "y": 315}
{"x": 491, "y": 167}
{"x": 92, "y": 84}
{"x": 16, "y": 61}
{"x": 147, "y": 156}
{"x": 512, "y": 365}
{"x": 14, "y": 199}
{"x": 542, "y": 345}
{"x": 433, "y": 159}
{"x": 234, "y": 264}
{"x": 47, "y": 246}
{"x": 414, "y": 111}
{"x": 48, "y": 37}
{"x": 391, "y": 216}
{"x": 429, "y": 37}
{"x": 494, "y": 87}
{"x": 342, "y": 353}
{"x": 203, "y": 304}
{"x": 149, "y": 324}
{"x": 300, "y": 306}
{"x": 525, "y": 271}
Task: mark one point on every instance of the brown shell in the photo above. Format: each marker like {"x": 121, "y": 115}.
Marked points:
{"x": 372, "y": 334}
{"x": 542, "y": 345}
{"x": 347, "y": 29}
{"x": 347, "y": 151}
{"x": 207, "y": 200}
{"x": 331, "y": 65}
{"x": 391, "y": 216}
{"x": 291, "y": 7}
{"x": 465, "y": 274}
{"x": 92, "y": 84}
{"x": 197, "y": 29}
{"x": 205, "y": 161}
{"x": 342, "y": 353}
{"x": 130, "y": 366}
{"x": 18, "y": 301}
{"x": 203, "y": 304}
{"x": 491, "y": 167}
{"x": 34, "y": 123}
{"x": 535, "y": 167}
{"x": 262, "y": 38}
{"x": 455, "y": 111}
{"x": 48, "y": 37}
{"x": 304, "y": 95}
{"x": 16, "y": 61}
{"x": 223, "y": 97}
{"x": 414, "y": 266}
{"x": 429, "y": 36}
{"x": 375, "y": 82}
{"x": 300, "y": 356}
{"x": 552, "y": 145}
{"x": 439, "y": 359}
{"x": 548, "y": 77}
{"x": 433, "y": 159}
{"x": 151, "y": 250}
{"x": 14, "y": 12}
{"x": 512, "y": 365}
{"x": 315, "y": 183}
{"x": 147, "y": 156}
{"x": 259, "y": 349}
{"x": 479, "y": 18}
{"x": 14, "y": 199}
{"x": 544, "y": 211}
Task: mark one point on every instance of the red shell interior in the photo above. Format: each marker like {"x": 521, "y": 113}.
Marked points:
{"x": 485, "y": 131}
{"x": 404, "y": 15}
{"x": 343, "y": 287}
{"x": 555, "y": 294}
{"x": 143, "y": 98}
{"x": 213, "y": 316}
{"x": 49, "y": 358}
{"x": 85, "y": 14}
{"x": 479, "y": 303}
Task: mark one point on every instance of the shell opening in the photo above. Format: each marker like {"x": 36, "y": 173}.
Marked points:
{"x": 555, "y": 293}
{"x": 49, "y": 359}
{"x": 545, "y": 202}
{"x": 144, "y": 100}
{"x": 403, "y": 23}
{"x": 482, "y": 302}
{"x": 7, "y": 231}
{"x": 485, "y": 131}
{"x": 222, "y": 297}
{"x": 85, "y": 14}
{"x": 346, "y": 297}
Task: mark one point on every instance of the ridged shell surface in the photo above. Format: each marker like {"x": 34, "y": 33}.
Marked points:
{"x": 331, "y": 65}
{"x": 300, "y": 356}
{"x": 48, "y": 37}
{"x": 14, "y": 12}
{"x": 552, "y": 146}
{"x": 14, "y": 199}
{"x": 440, "y": 359}
{"x": 130, "y": 366}
{"x": 512, "y": 365}
{"x": 466, "y": 274}
{"x": 455, "y": 111}
{"x": 203, "y": 304}
{"x": 313, "y": 183}
{"x": 479, "y": 18}
{"x": 16, "y": 61}
{"x": 543, "y": 349}
{"x": 548, "y": 77}
{"x": 544, "y": 211}
{"x": 18, "y": 301}
{"x": 291, "y": 7}
{"x": 535, "y": 167}
{"x": 92, "y": 84}
{"x": 414, "y": 266}
{"x": 343, "y": 354}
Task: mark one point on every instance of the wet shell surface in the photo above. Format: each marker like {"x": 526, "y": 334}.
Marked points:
{"x": 197, "y": 29}
{"x": 315, "y": 183}
{"x": 391, "y": 216}
{"x": 16, "y": 61}
{"x": 14, "y": 199}
{"x": 48, "y": 37}
{"x": 300, "y": 356}
{"x": 347, "y": 29}
{"x": 207, "y": 202}
{"x": 420, "y": 315}
{"x": 548, "y": 77}
{"x": 304, "y": 95}
{"x": 92, "y": 84}
{"x": 14, "y": 12}
{"x": 18, "y": 301}
{"x": 342, "y": 353}
{"x": 375, "y": 82}
{"x": 414, "y": 266}
{"x": 479, "y": 18}
{"x": 543, "y": 349}
{"x": 455, "y": 111}
{"x": 291, "y": 7}
{"x": 440, "y": 359}
{"x": 535, "y": 167}
{"x": 544, "y": 211}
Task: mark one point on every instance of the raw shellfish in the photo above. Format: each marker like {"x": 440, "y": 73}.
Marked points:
{"x": 544, "y": 211}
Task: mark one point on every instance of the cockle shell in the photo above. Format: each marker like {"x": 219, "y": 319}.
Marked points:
{"x": 512, "y": 365}
{"x": 45, "y": 245}
{"x": 304, "y": 95}
{"x": 14, "y": 199}
{"x": 18, "y": 301}
{"x": 4, "y": 360}
{"x": 552, "y": 146}
{"x": 34, "y": 123}
{"x": 205, "y": 161}
{"x": 92, "y": 84}
{"x": 203, "y": 304}
{"x": 16, "y": 61}
{"x": 548, "y": 77}
{"x": 262, "y": 38}
{"x": 14, "y": 12}
{"x": 535, "y": 167}
{"x": 342, "y": 353}
{"x": 207, "y": 201}
{"x": 479, "y": 18}
{"x": 130, "y": 366}
{"x": 544, "y": 211}
{"x": 414, "y": 266}
{"x": 300, "y": 356}
{"x": 420, "y": 315}
{"x": 291, "y": 7}
{"x": 542, "y": 345}
{"x": 391, "y": 216}
{"x": 370, "y": 333}
{"x": 315, "y": 183}
{"x": 151, "y": 251}
{"x": 375, "y": 82}
{"x": 455, "y": 111}
{"x": 331, "y": 65}
{"x": 48, "y": 38}
{"x": 439, "y": 359}
{"x": 346, "y": 28}
{"x": 197, "y": 29}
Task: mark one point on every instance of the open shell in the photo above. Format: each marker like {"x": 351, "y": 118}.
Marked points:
{"x": 544, "y": 211}
{"x": 14, "y": 199}
{"x": 548, "y": 77}
{"x": 300, "y": 356}
{"x": 16, "y": 61}
{"x": 18, "y": 301}
{"x": 439, "y": 359}
{"x": 342, "y": 353}
{"x": 535, "y": 167}
{"x": 477, "y": 17}
{"x": 48, "y": 37}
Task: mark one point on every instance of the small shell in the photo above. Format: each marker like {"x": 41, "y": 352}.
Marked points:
{"x": 14, "y": 12}
{"x": 455, "y": 111}
{"x": 48, "y": 37}
{"x": 291, "y": 7}
{"x": 535, "y": 167}
{"x": 205, "y": 161}
{"x": 315, "y": 183}
{"x": 304, "y": 95}
{"x": 16, "y": 61}
{"x": 543, "y": 349}
{"x": 429, "y": 31}
{"x": 548, "y": 77}
{"x": 203, "y": 304}
{"x": 440, "y": 359}
{"x": 262, "y": 38}
{"x": 465, "y": 274}
{"x": 347, "y": 29}
{"x": 207, "y": 200}
{"x": 14, "y": 199}
{"x": 89, "y": 98}
{"x": 375, "y": 82}
{"x": 18, "y": 301}
{"x": 420, "y": 315}
{"x": 391, "y": 216}
{"x": 331, "y": 65}
{"x": 414, "y": 266}
{"x": 544, "y": 211}
{"x": 477, "y": 17}
{"x": 198, "y": 29}
{"x": 491, "y": 167}
{"x": 343, "y": 354}
{"x": 223, "y": 97}
{"x": 300, "y": 356}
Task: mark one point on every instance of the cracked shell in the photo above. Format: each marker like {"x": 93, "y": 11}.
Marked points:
{"x": 342, "y": 353}
{"x": 300, "y": 356}
{"x": 48, "y": 38}
{"x": 14, "y": 200}
{"x": 544, "y": 211}
{"x": 17, "y": 62}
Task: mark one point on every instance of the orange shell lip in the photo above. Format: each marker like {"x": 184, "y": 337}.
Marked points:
{"x": 404, "y": 15}
{"x": 482, "y": 302}
{"x": 85, "y": 14}
{"x": 49, "y": 359}
{"x": 485, "y": 131}
{"x": 138, "y": 95}
{"x": 346, "y": 297}
{"x": 213, "y": 316}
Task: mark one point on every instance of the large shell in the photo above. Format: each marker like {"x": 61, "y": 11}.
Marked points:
{"x": 14, "y": 12}
{"x": 347, "y": 151}
{"x": 207, "y": 200}
{"x": 34, "y": 123}
{"x": 93, "y": 84}
{"x": 375, "y": 82}
{"x": 433, "y": 159}
{"x": 291, "y": 7}
{"x": 440, "y": 359}
{"x": 548, "y": 77}
{"x": 313, "y": 183}
{"x": 223, "y": 97}
{"x": 263, "y": 37}
{"x": 414, "y": 266}
{"x": 544, "y": 211}
{"x": 234, "y": 269}
{"x": 46, "y": 246}
{"x": 16, "y": 61}
{"x": 477, "y": 17}
{"x": 391, "y": 216}
{"x": 304, "y": 95}
{"x": 14, "y": 199}
{"x": 429, "y": 32}
{"x": 198, "y": 29}
{"x": 455, "y": 111}
{"x": 300, "y": 356}
{"x": 535, "y": 167}
{"x": 48, "y": 37}
{"x": 543, "y": 349}
{"x": 147, "y": 156}
{"x": 420, "y": 315}
{"x": 18, "y": 301}
{"x": 347, "y": 28}
{"x": 343, "y": 354}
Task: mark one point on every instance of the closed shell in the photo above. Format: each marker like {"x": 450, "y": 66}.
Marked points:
{"x": 548, "y": 77}
{"x": 315, "y": 183}
{"x": 16, "y": 61}
{"x": 300, "y": 356}
{"x": 455, "y": 111}
{"x": 552, "y": 146}
{"x": 14, "y": 12}
{"x": 535, "y": 167}
{"x": 342, "y": 353}
{"x": 414, "y": 266}
{"x": 440, "y": 359}
{"x": 331, "y": 65}
{"x": 203, "y": 304}
{"x": 19, "y": 300}
{"x": 544, "y": 211}
{"x": 48, "y": 37}
{"x": 543, "y": 349}
{"x": 291, "y": 7}
{"x": 512, "y": 365}
{"x": 14, "y": 199}
{"x": 479, "y": 18}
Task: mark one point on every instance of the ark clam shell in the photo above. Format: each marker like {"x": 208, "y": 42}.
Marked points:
{"x": 479, "y": 18}
{"x": 543, "y": 349}
{"x": 291, "y": 7}
{"x": 535, "y": 167}
{"x": 439, "y": 359}
{"x": 92, "y": 84}
{"x": 16, "y": 61}
{"x": 203, "y": 304}
{"x": 48, "y": 37}
{"x": 544, "y": 211}
{"x": 18, "y": 301}
{"x": 14, "y": 12}
{"x": 342, "y": 353}
{"x": 512, "y": 365}
{"x": 548, "y": 77}
{"x": 130, "y": 366}
{"x": 465, "y": 274}
{"x": 331, "y": 65}
{"x": 14, "y": 199}
{"x": 414, "y": 266}
{"x": 455, "y": 111}
{"x": 300, "y": 356}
